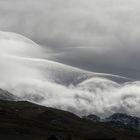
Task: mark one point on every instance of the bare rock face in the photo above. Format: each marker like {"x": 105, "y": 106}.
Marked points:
{"x": 117, "y": 119}
{"x": 123, "y": 119}
{"x": 5, "y": 95}
{"x": 92, "y": 118}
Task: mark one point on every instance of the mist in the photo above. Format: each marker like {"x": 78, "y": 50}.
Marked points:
{"x": 28, "y": 75}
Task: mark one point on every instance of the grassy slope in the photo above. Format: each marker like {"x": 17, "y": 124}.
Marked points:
{"x": 27, "y": 121}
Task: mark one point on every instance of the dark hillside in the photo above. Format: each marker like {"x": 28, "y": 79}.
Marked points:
{"x": 27, "y": 121}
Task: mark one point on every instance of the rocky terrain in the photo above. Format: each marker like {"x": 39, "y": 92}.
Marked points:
{"x": 117, "y": 120}
{"x": 5, "y": 95}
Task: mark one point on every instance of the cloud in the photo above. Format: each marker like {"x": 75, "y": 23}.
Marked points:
{"x": 102, "y": 36}
{"x": 100, "y": 96}
{"x": 31, "y": 77}
{"x": 107, "y": 30}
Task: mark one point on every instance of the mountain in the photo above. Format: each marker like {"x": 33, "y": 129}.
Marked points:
{"x": 124, "y": 120}
{"x": 27, "y": 121}
{"x": 5, "y": 95}
{"x": 93, "y": 118}
{"x": 117, "y": 119}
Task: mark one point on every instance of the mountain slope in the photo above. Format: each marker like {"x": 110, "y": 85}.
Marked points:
{"x": 5, "y": 95}
{"x": 117, "y": 120}
{"x": 25, "y": 120}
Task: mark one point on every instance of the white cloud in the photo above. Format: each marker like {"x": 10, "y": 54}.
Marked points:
{"x": 107, "y": 29}
{"x": 33, "y": 78}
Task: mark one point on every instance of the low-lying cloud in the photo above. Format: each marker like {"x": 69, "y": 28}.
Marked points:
{"x": 31, "y": 77}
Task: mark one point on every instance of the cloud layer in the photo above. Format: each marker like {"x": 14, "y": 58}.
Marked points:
{"x": 102, "y": 36}
{"x": 31, "y": 77}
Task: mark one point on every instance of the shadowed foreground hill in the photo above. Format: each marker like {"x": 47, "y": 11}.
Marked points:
{"x": 27, "y": 121}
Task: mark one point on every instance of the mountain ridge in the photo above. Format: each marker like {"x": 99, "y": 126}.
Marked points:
{"x": 26, "y": 121}
{"x": 117, "y": 119}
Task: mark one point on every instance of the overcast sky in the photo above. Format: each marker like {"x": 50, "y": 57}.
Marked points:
{"x": 97, "y": 35}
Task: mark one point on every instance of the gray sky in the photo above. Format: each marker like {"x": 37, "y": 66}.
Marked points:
{"x": 97, "y": 35}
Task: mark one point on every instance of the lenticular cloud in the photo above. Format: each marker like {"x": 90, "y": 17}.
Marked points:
{"x": 25, "y": 73}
